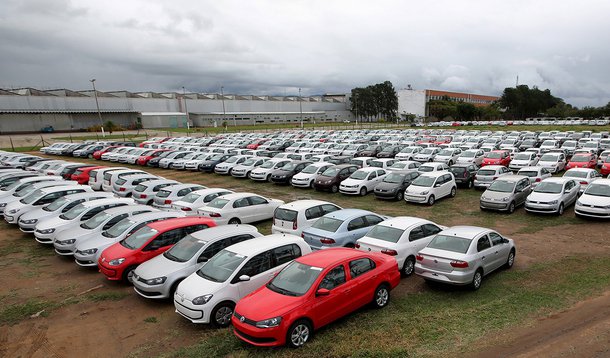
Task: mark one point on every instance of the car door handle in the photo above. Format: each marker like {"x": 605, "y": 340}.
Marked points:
{"x": 483, "y": 258}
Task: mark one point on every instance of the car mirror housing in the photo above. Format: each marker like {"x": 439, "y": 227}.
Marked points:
{"x": 202, "y": 259}
{"x": 244, "y": 278}
{"x": 322, "y": 292}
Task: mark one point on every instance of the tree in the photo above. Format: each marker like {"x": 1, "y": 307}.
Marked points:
{"x": 375, "y": 101}
{"x": 522, "y": 102}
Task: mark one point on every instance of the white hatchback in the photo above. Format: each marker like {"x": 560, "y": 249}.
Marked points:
{"x": 294, "y": 217}
{"x": 429, "y": 187}
{"x": 240, "y": 208}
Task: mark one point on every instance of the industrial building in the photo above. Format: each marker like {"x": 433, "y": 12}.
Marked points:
{"x": 30, "y": 110}
{"x": 415, "y": 102}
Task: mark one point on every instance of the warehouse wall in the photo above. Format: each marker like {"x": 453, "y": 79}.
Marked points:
{"x": 21, "y": 122}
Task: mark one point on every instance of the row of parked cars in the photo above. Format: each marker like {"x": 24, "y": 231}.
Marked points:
{"x": 320, "y": 263}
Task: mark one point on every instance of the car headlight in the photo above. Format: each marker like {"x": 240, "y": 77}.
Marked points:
{"x": 553, "y": 202}
{"x": 202, "y": 300}
{"x": 268, "y": 323}
{"x": 156, "y": 281}
{"x": 607, "y": 207}
{"x": 578, "y": 202}
{"x": 425, "y": 192}
{"x": 88, "y": 251}
{"x": 32, "y": 221}
{"x": 13, "y": 211}
{"x": 66, "y": 242}
{"x": 116, "y": 262}
{"x": 504, "y": 199}
{"x": 47, "y": 231}
{"x": 2, "y": 205}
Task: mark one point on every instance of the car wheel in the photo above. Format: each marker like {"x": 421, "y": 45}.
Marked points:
{"x": 477, "y": 279}
{"x": 431, "y": 200}
{"x": 453, "y": 192}
{"x": 128, "y": 274}
{"x": 510, "y": 261}
{"x": 511, "y": 207}
{"x": 382, "y": 296}
{"x": 90, "y": 156}
{"x": 268, "y": 178}
{"x": 334, "y": 188}
{"x": 221, "y": 314}
{"x": 234, "y": 221}
{"x": 450, "y": 162}
{"x": 311, "y": 184}
{"x": 399, "y": 196}
{"x": 150, "y": 202}
{"x": 470, "y": 184}
{"x": 363, "y": 191}
{"x": 299, "y": 333}
{"x": 560, "y": 210}
{"x": 408, "y": 267}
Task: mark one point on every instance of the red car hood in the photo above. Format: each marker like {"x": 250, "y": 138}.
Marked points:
{"x": 578, "y": 165}
{"x": 264, "y": 304}
{"x": 116, "y": 251}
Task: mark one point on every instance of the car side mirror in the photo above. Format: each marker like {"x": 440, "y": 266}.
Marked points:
{"x": 244, "y": 278}
{"x": 438, "y": 185}
{"x": 322, "y": 292}
{"x": 202, "y": 259}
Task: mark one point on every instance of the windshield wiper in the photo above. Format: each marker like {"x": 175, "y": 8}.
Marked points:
{"x": 200, "y": 273}
{"x": 282, "y": 291}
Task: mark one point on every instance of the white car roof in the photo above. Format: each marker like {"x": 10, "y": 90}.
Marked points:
{"x": 585, "y": 170}
{"x": 208, "y": 191}
{"x": 435, "y": 174}
{"x": 369, "y": 169}
{"x": 180, "y": 186}
{"x": 255, "y": 246}
{"x": 94, "y": 203}
{"x": 158, "y": 181}
{"x": 222, "y": 231}
{"x": 303, "y": 204}
{"x": 160, "y": 214}
{"x": 129, "y": 209}
{"x": 467, "y": 232}
{"x": 404, "y": 222}
{"x": 235, "y": 196}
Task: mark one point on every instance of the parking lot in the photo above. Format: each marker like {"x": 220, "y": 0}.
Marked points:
{"x": 51, "y": 307}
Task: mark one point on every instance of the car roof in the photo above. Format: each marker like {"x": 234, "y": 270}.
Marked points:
{"x": 129, "y": 209}
{"x": 560, "y": 180}
{"x": 345, "y": 214}
{"x": 435, "y": 174}
{"x": 369, "y": 169}
{"x": 587, "y": 170}
{"x": 234, "y": 196}
{"x": 156, "y": 215}
{"x": 535, "y": 167}
{"x": 105, "y": 201}
{"x": 263, "y": 243}
{"x": 329, "y": 257}
{"x": 138, "y": 176}
{"x": 494, "y": 167}
{"x": 158, "y": 181}
{"x": 207, "y": 191}
{"x": 602, "y": 181}
{"x": 174, "y": 223}
{"x": 403, "y": 222}
{"x": 88, "y": 194}
{"x": 224, "y": 230}
{"x": 180, "y": 186}
{"x": 465, "y": 231}
{"x": 303, "y": 204}
{"x": 51, "y": 189}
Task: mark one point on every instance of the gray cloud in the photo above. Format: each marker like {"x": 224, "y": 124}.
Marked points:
{"x": 275, "y": 47}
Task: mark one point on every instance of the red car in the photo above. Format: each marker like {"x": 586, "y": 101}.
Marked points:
{"x": 582, "y": 160}
{"x": 497, "y": 157}
{"x": 311, "y": 292}
{"x": 256, "y": 144}
{"x": 143, "y": 159}
{"x": 81, "y": 175}
{"x": 605, "y": 169}
{"x": 118, "y": 261}
{"x": 153, "y": 140}
{"x": 98, "y": 155}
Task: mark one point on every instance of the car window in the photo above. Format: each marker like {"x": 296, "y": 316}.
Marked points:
{"x": 167, "y": 238}
{"x": 416, "y": 234}
{"x": 328, "y": 208}
{"x": 314, "y": 212}
{"x": 286, "y": 253}
{"x": 372, "y": 175}
{"x": 256, "y": 265}
{"x": 372, "y": 220}
{"x": 191, "y": 229}
{"x": 483, "y": 243}
{"x": 333, "y": 278}
{"x": 431, "y": 229}
{"x": 356, "y": 224}
{"x": 570, "y": 185}
{"x": 496, "y": 239}
{"x": 214, "y": 248}
{"x": 360, "y": 266}
{"x": 257, "y": 200}
{"x": 91, "y": 213}
{"x": 239, "y": 238}
{"x": 240, "y": 203}
{"x": 113, "y": 221}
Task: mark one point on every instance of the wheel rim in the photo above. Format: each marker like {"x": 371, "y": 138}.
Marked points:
{"x": 477, "y": 279}
{"x": 560, "y": 209}
{"x": 399, "y": 196}
{"x": 223, "y": 315}
{"x": 334, "y": 189}
{"x": 300, "y": 335}
{"x": 408, "y": 269}
{"x": 469, "y": 184}
{"x": 511, "y": 207}
{"x": 431, "y": 200}
{"x": 511, "y": 259}
{"x": 382, "y": 297}
{"x": 363, "y": 192}
{"x": 453, "y": 192}
{"x": 130, "y": 276}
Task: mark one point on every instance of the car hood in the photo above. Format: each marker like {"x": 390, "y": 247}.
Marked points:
{"x": 96, "y": 240}
{"x": 116, "y": 251}
{"x": 37, "y": 214}
{"x": 418, "y": 189}
{"x": 210, "y": 162}
{"x": 195, "y": 286}
{"x": 302, "y": 176}
{"x": 14, "y": 205}
{"x": 282, "y": 172}
{"x": 53, "y": 222}
{"x": 160, "y": 266}
{"x": 594, "y": 200}
{"x": 387, "y": 186}
{"x": 543, "y": 163}
{"x": 495, "y": 195}
{"x": 75, "y": 233}
{"x": 350, "y": 181}
{"x": 534, "y": 196}
{"x": 264, "y": 304}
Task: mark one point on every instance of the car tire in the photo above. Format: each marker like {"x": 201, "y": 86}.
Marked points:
{"x": 431, "y": 200}
{"x": 150, "y": 202}
{"x": 173, "y": 289}
{"x": 477, "y": 279}
{"x": 221, "y": 314}
{"x": 510, "y": 261}
{"x": 400, "y": 196}
{"x": 128, "y": 274}
{"x": 450, "y": 163}
{"x": 90, "y": 156}
{"x": 511, "y": 207}
{"x": 311, "y": 184}
{"x": 560, "y": 209}
{"x": 299, "y": 333}
{"x": 363, "y": 191}
{"x": 234, "y": 221}
{"x": 408, "y": 267}
{"x": 334, "y": 188}
{"x": 381, "y": 298}
{"x": 453, "y": 192}
{"x": 470, "y": 184}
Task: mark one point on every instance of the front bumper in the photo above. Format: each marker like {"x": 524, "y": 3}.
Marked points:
{"x": 538, "y": 207}
{"x": 349, "y": 191}
{"x": 387, "y": 194}
{"x": 191, "y": 312}
{"x": 112, "y": 273}
{"x": 494, "y": 205}
{"x": 262, "y": 337}
{"x": 592, "y": 212}
{"x": 416, "y": 198}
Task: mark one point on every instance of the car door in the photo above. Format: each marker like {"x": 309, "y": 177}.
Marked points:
{"x": 353, "y": 231}
{"x": 369, "y": 182}
{"x": 260, "y": 208}
{"x": 570, "y": 192}
{"x": 523, "y": 189}
{"x": 485, "y": 254}
{"x": 242, "y": 210}
{"x": 361, "y": 285}
{"x": 259, "y": 269}
{"x": 160, "y": 244}
{"x": 447, "y": 185}
{"x": 330, "y": 307}
{"x": 500, "y": 248}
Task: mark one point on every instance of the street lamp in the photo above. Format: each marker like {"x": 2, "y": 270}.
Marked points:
{"x": 356, "y": 106}
{"x": 99, "y": 114}
{"x": 224, "y": 113}
{"x": 301, "y": 108}
{"x": 188, "y": 126}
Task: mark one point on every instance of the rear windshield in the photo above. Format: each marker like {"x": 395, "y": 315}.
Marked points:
{"x": 450, "y": 243}
{"x": 385, "y": 233}
{"x": 285, "y": 215}
{"x": 327, "y": 224}
{"x": 163, "y": 193}
{"x": 486, "y": 172}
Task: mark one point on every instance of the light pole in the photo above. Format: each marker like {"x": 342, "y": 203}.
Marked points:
{"x": 224, "y": 113}
{"x": 99, "y": 114}
{"x": 188, "y": 126}
{"x": 356, "y": 107}
{"x": 301, "y": 107}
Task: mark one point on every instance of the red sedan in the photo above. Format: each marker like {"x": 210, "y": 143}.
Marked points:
{"x": 497, "y": 157}
{"x": 605, "y": 169}
{"x": 582, "y": 160}
{"x": 311, "y": 292}
{"x": 120, "y": 260}
{"x": 98, "y": 154}
{"x": 81, "y": 175}
{"x": 256, "y": 144}
{"x": 143, "y": 159}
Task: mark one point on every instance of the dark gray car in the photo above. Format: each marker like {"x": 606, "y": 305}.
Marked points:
{"x": 394, "y": 184}
{"x": 506, "y": 193}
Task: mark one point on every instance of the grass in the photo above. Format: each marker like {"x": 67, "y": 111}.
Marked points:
{"x": 151, "y": 319}
{"x": 108, "y": 296}
{"x": 11, "y": 314}
{"x": 126, "y": 137}
{"x": 21, "y": 149}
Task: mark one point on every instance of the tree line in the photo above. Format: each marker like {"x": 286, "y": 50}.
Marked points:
{"x": 378, "y": 102}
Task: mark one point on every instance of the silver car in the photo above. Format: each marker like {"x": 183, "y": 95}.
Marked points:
{"x": 506, "y": 193}
{"x": 159, "y": 277}
{"x": 553, "y": 195}
{"x": 463, "y": 255}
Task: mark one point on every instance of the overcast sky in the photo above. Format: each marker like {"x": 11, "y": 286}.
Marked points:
{"x": 275, "y": 47}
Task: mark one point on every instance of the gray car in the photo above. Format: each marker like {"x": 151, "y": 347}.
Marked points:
{"x": 506, "y": 193}
{"x": 553, "y": 195}
{"x": 463, "y": 255}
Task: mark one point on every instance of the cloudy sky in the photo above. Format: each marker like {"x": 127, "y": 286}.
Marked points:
{"x": 275, "y": 47}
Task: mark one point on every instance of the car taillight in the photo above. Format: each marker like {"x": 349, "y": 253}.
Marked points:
{"x": 167, "y": 201}
{"x": 419, "y": 257}
{"x": 214, "y": 215}
{"x": 538, "y": 180}
{"x": 584, "y": 182}
{"x": 294, "y": 225}
{"x": 459, "y": 264}
{"x": 303, "y": 235}
{"x": 186, "y": 209}
{"x": 357, "y": 245}
{"x": 389, "y": 252}
{"x": 121, "y": 189}
{"x": 327, "y": 241}
{"x": 142, "y": 196}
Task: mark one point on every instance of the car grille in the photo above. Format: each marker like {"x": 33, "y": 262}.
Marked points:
{"x": 246, "y": 320}
{"x": 254, "y": 339}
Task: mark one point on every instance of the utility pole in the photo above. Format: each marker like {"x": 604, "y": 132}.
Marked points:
{"x": 185, "y": 108}
{"x": 301, "y": 107}
{"x": 97, "y": 104}
{"x": 224, "y": 113}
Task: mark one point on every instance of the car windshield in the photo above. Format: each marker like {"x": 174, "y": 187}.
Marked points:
{"x": 119, "y": 228}
{"x": 457, "y": 171}
{"x": 96, "y": 221}
{"x": 385, "y": 233}
{"x": 120, "y": 181}
{"x": 30, "y": 198}
{"x": 548, "y": 143}
{"x": 494, "y": 155}
{"x": 285, "y": 214}
{"x": 548, "y": 188}
{"x": 598, "y": 190}
{"x": 56, "y": 204}
{"x": 376, "y": 163}
{"x": 216, "y": 157}
{"x": 218, "y": 203}
{"x": 468, "y": 154}
{"x": 331, "y": 172}
{"x": 394, "y": 178}
{"x": 359, "y": 175}
{"x": 12, "y": 186}
{"x": 549, "y": 158}
{"x": 502, "y": 186}
{"x": 424, "y": 181}
{"x": 191, "y": 197}
{"x": 74, "y": 212}
{"x": 310, "y": 169}
{"x": 163, "y": 193}
{"x": 295, "y": 279}
{"x": 327, "y": 224}
{"x": 407, "y": 150}
{"x": 267, "y": 165}
{"x": 220, "y": 267}
{"x": 398, "y": 166}
{"x": 427, "y": 151}
{"x": 580, "y": 158}
{"x": 185, "y": 249}
{"x": 445, "y": 153}
{"x": 24, "y": 191}
{"x": 139, "y": 238}
{"x": 450, "y": 243}
{"x": 523, "y": 156}
{"x": 249, "y": 162}
{"x": 528, "y": 173}
{"x": 231, "y": 160}
{"x": 288, "y": 167}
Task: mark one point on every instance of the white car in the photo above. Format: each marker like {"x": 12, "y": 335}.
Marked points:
{"x": 263, "y": 172}
{"x": 65, "y": 242}
{"x": 306, "y": 177}
{"x": 124, "y": 185}
{"x": 402, "y": 237}
{"x": 210, "y": 294}
{"x": 553, "y": 162}
{"x": 320, "y": 158}
{"x": 584, "y": 175}
{"x": 548, "y": 145}
{"x": 158, "y": 278}
{"x": 383, "y": 163}
{"x": 180, "y": 163}
{"x": 144, "y": 193}
{"x": 227, "y": 166}
{"x": 407, "y": 165}
{"x": 536, "y": 174}
{"x": 362, "y": 162}
{"x": 240, "y": 208}
{"x": 522, "y": 160}
{"x": 486, "y": 175}
{"x": 193, "y": 163}
{"x": 27, "y": 189}
{"x": 96, "y": 176}
{"x": 198, "y": 198}
{"x": 408, "y": 153}
{"x": 47, "y": 230}
{"x": 294, "y": 217}
{"x": 167, "y": 161}
{"x": 595, "y": 201}
{"x": 24, "y": 182}
{"x": 362, "y": 181}
{"x": 553, "y": 195}
{"x": 429, "y": 187}
{"x": 112, "y": 176}
{"x": 243, "y": 170}
{"x": 89, "y": 249}
{"x": 166, "y": 196}
{"x": 448, "y": 156}
{"x": 427, "y": 154}
{"x": 432, "y": 167}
